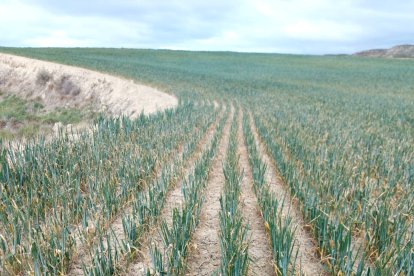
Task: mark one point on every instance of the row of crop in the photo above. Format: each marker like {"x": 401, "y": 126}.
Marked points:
{"x": 362, "y": 161}
{"x": 348, "y": 123}
{"x": 359, "y": 168}
{"x": 333, "y": 231}
{"x": 233, "y": 233}
{"x": 76, "y": 165}
{"x": 146, "y": 208}
{"x": 279, "y": 228}
{"x": 83, "y": 181}
{"x": 176, "y": 237}
{"x": 115, "y": 257}
{"x": 353, "y": 161}
{"x": 333, "y": 238}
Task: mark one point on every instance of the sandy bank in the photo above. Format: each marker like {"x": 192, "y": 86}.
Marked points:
{"x": 67, "y": 86}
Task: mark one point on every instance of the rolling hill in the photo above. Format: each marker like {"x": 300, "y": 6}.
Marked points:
{"x": 400, "y": 51}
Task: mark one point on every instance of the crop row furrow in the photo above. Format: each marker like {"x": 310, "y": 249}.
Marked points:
{"x": 260, "y": 250}
{"x": 128, "y": 232}
{"x": 46, "y": 188}
{"x": 353, "y": 191}
{"x": 334, "y": 239}
{"x": 233, "y": 230}
{"x": 170, "y": 255}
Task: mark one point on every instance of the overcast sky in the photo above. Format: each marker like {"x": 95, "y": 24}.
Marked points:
{"x": 284, "y": 26}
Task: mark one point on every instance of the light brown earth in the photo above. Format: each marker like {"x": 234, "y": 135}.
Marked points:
{"x": 399, "y": 52}
{"x": 67, "y": 86}
{"x": 259, "y": 244}
{"x": 204, "y": 256}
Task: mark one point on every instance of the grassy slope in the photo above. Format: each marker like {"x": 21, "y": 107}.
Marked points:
{"x": 21, "y": 118}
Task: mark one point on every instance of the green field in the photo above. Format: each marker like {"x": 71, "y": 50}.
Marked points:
{"x": 339, "y": 130}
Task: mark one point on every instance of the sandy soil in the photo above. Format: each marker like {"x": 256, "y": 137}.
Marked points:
{"x": 204, "y": 257}
{"x": 259, "y": 244}
{"x": 67, "y": 86}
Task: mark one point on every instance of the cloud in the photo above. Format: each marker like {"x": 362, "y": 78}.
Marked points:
{"x": 292, "y": 26}
{"x": 322, "y": 30}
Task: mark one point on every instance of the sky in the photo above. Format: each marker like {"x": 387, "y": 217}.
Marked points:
{"x": 279, "y": 26}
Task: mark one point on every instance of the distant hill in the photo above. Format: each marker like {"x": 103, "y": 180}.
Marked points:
{"x": 400, "y": 51}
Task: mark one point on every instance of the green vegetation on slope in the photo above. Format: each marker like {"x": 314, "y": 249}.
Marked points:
{"x": 23, "y": 118}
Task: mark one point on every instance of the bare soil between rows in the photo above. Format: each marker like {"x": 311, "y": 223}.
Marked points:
{"x": 174, "y": 199}
{"x": 259, "y": 244}
{"x": 204, "y": 256}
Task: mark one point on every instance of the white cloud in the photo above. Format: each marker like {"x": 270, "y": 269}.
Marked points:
{"x": 57, "y": 39}
{"x": 295, "y": 26}
{"x": 321, "y": 30}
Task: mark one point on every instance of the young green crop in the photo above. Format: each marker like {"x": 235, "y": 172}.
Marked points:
{"x": 233, "y": 230}
{"x": 184, "y": 220}
{"x": 147, "y": 204}
{"x": 340, "y": 130}
{"x": 46, "y": 188}
{"x": 278, "y": 227}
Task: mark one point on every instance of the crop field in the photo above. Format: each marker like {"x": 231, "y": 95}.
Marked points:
{"x": 270, "y": 165}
